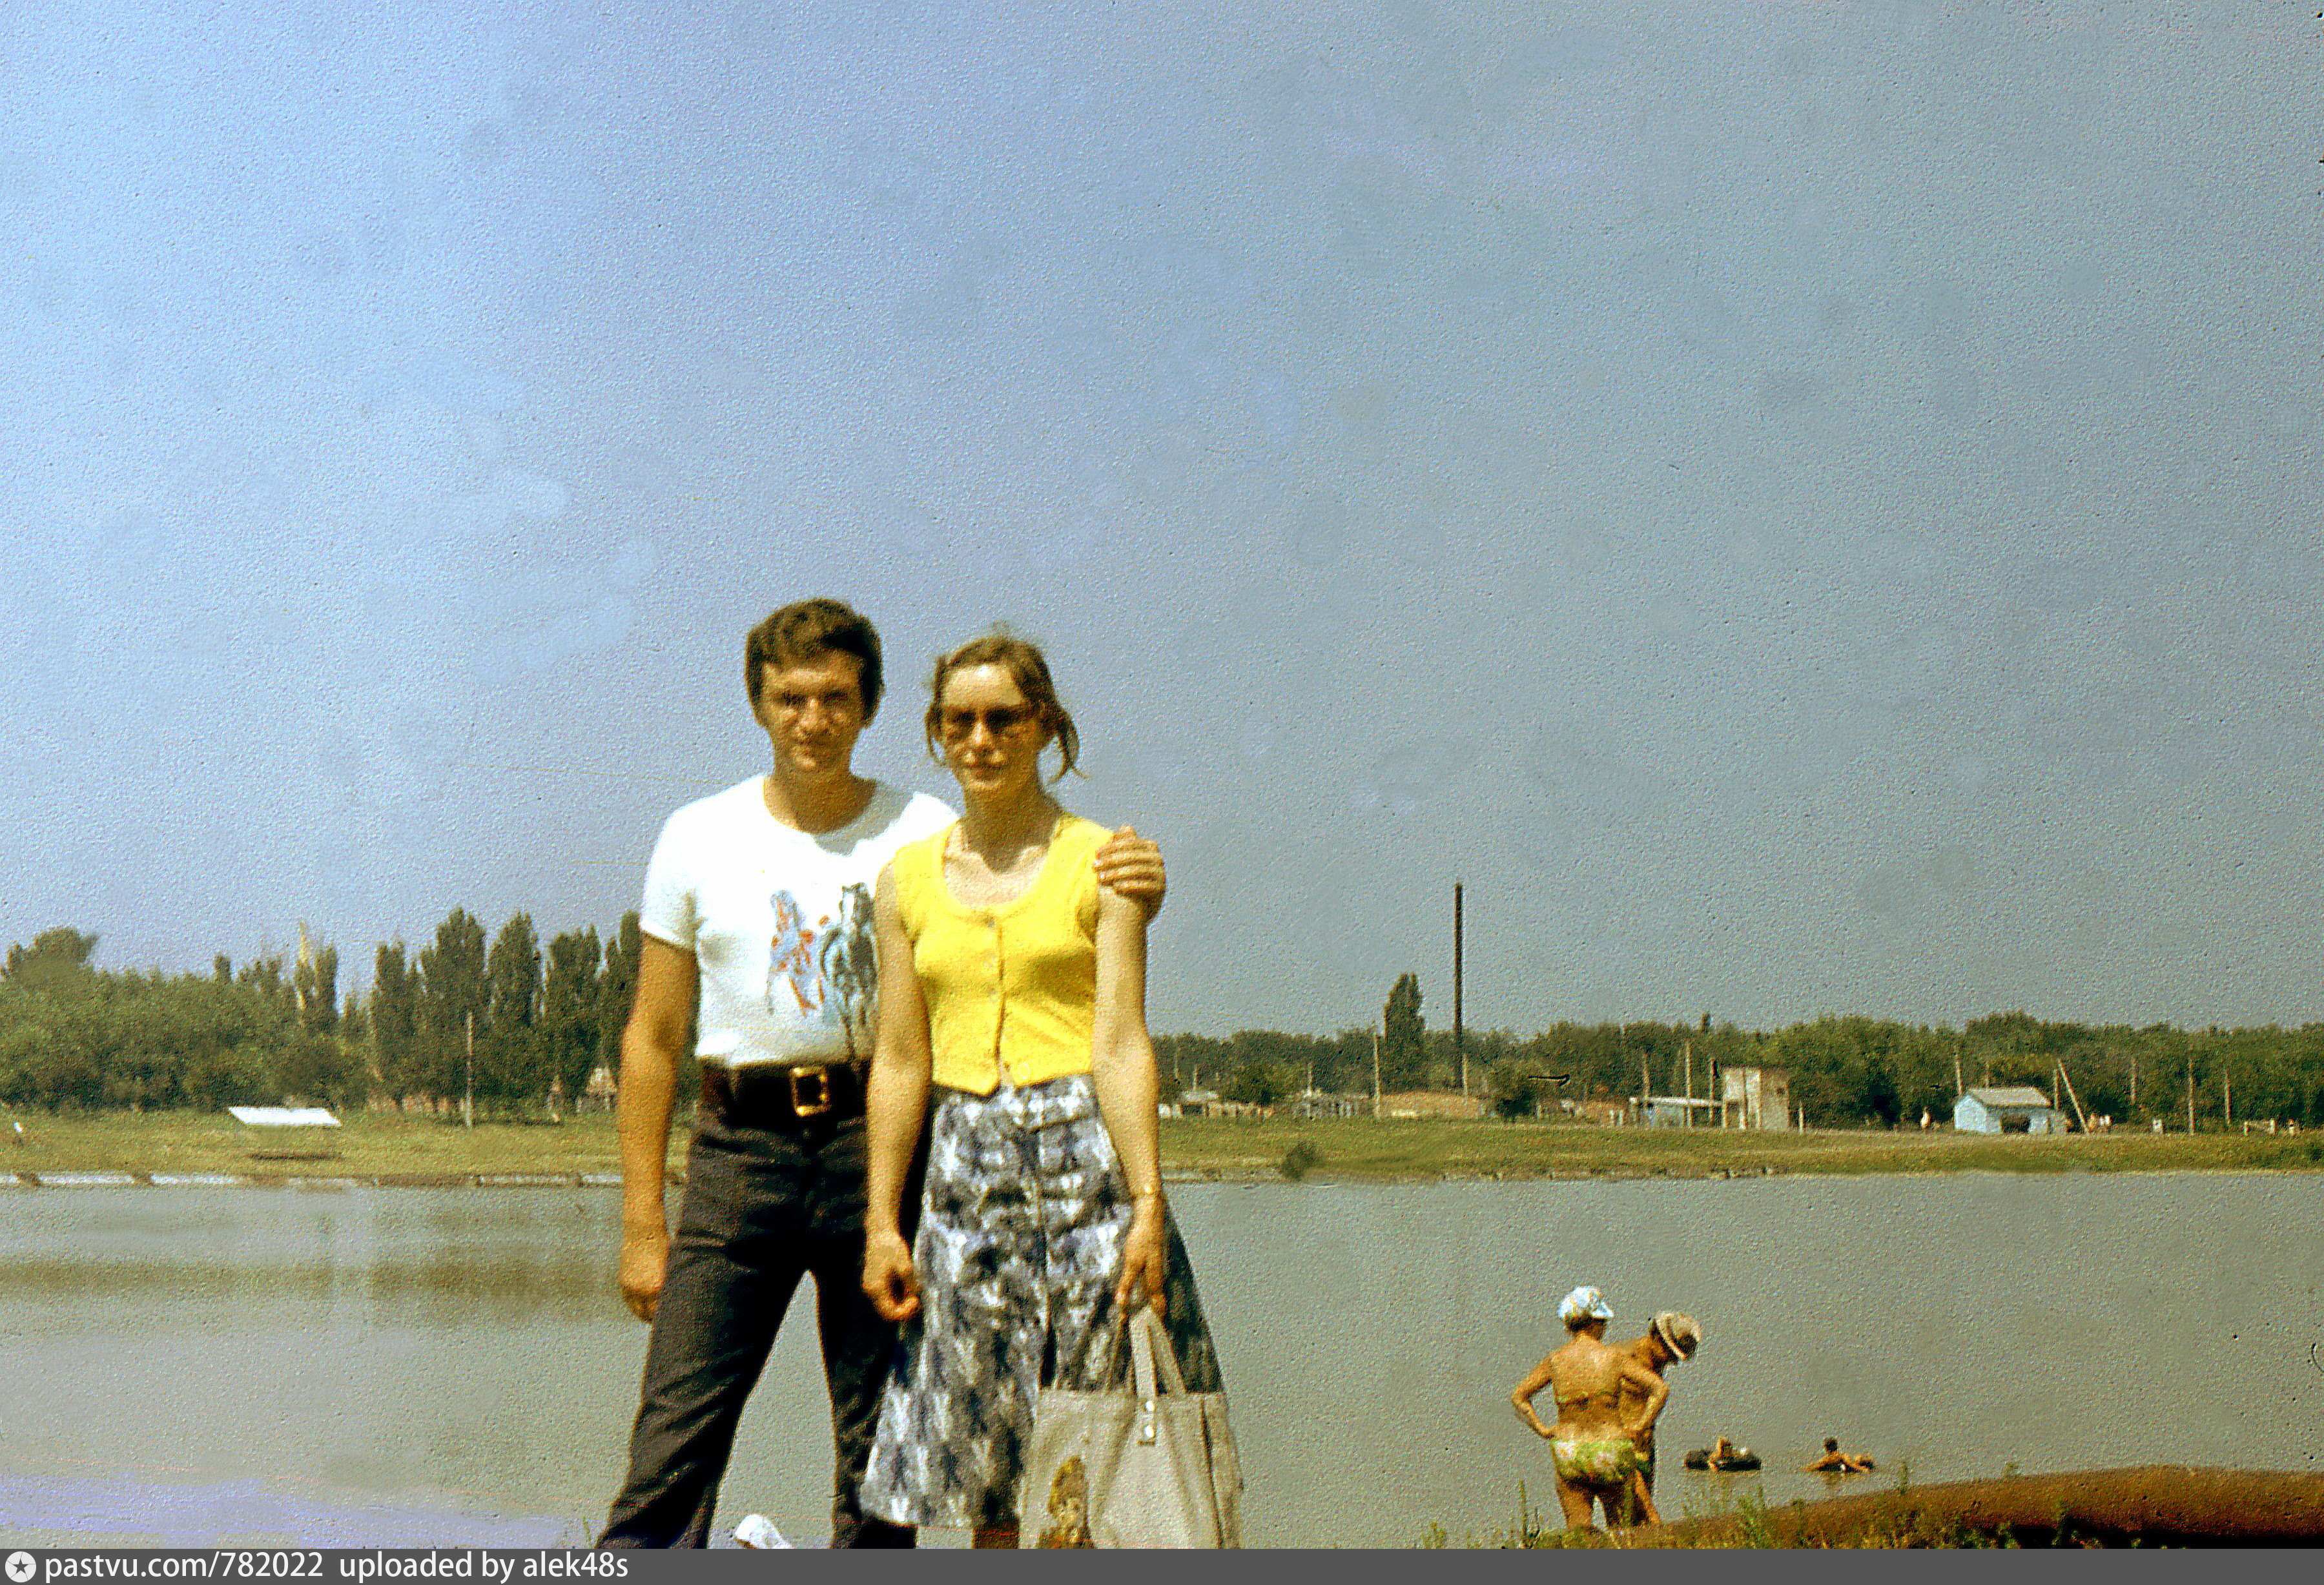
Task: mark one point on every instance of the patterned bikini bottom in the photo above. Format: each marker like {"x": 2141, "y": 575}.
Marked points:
{"x": 1602, "y": 1462}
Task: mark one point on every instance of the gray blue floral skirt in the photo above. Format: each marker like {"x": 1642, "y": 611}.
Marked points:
{"x": 1018, "y": 1249}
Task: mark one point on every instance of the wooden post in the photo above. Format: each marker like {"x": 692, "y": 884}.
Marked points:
{"x": 2067, "y": 1079}
{"x": 1689, "y": 1049}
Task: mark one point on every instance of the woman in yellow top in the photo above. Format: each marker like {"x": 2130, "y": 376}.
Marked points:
{"x": 1015, "y": 989}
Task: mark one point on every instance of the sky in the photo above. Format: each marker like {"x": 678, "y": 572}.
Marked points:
{"x": 1799, "y": 508}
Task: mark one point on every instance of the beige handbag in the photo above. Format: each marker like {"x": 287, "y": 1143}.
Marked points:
{"x": 1145, "y": 1464}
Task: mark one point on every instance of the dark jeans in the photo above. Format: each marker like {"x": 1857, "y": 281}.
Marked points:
{"x": 762, "y": 1208}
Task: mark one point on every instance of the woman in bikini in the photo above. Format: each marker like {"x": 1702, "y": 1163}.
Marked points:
{"x": 1012, "y": 995}
{"x": 1594, "y": 1451}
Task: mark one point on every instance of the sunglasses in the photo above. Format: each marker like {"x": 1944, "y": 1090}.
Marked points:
{"x": 999, "y": 719}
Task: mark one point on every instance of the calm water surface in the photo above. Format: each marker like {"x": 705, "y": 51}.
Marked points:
{"x": 369, "y": 1367}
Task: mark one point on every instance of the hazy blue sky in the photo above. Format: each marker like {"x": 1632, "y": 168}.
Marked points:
{"x": 1803, "y": 507}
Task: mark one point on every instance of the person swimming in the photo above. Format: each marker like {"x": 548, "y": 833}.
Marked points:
{"x": 1835, "y": 1462}
{"x": 1722, "y": 1455}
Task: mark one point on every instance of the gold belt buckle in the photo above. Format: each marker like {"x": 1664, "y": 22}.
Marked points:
{"x": 822, "y": 1102}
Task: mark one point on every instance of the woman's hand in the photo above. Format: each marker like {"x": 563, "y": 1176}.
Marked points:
{"x": 888, "y": 1279}
{"x": 1145, "y": 1256}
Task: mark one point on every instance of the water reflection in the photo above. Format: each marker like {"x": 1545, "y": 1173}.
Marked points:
{"x": 452, "y": 1258}
{"x": 447, "y": 1351}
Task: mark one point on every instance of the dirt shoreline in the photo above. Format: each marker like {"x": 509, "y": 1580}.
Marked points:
{"x": 2154, "y": 1505}
{"x": 1240, "y": 1179}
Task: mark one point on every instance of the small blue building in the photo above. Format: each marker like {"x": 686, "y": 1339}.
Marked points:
{"x": 2013, "y": 1108}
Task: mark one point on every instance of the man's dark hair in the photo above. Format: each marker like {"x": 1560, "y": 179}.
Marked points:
{"x": 806, "y": 629}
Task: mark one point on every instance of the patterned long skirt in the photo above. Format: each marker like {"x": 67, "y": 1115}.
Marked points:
{"x": 1018, "y": 1249}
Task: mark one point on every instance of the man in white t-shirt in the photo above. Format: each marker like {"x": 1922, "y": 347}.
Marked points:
{"x": 758, "y": 904}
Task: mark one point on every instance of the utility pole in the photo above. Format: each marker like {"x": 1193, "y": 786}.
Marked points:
{"x": 1688, "y": 1047}
{"x": 1376, "y": 1092}
{"x": 1960, "y": 1089}
{"x": 1460, "y": 1050}
{"x": 468, "y": 1099}
{"x": 2190, "y": 1092}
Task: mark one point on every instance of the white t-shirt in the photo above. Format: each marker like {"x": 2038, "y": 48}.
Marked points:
{"x": 779, "y": 921}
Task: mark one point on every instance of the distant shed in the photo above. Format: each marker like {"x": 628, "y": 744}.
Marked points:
{"x": 2012, "y": 1109}
{"x": 1321, "y": 1104}
{"x": 284, "y": 1117}
{"x": 1754, "y": 1098}
{"x": 1195, "y": 1104}
{"x": 1680, "y": 1112}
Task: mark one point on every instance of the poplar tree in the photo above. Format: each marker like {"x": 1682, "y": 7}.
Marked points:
{"x": 316, "y": 987}
{"x": 1403, "y": 1037}
{"x": 570, "y": 1010}
{"x": 394, "y": 1017}
{"x": 508, "y": 1044}
{"x": 451, "y": 993}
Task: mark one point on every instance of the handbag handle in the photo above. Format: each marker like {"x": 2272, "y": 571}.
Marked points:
{"x": 1152, "y": 1351}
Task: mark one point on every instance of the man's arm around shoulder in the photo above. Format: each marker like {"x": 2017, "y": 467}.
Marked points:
{"x": 1131, "y": 865}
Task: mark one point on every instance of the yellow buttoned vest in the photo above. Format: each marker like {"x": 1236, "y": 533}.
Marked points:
{"x": 1013, "y": 987}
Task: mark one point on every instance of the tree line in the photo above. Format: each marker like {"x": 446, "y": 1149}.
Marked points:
{"x": 1846, "y": 1072}
{"x": 518, "y": 1029}
{"x": 521, "y": 1029}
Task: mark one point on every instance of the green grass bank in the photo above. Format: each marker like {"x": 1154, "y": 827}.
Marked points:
{"x": 388, "y": 1146}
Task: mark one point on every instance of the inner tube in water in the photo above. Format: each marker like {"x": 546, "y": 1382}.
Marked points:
{"x": 1700, "y": 1459}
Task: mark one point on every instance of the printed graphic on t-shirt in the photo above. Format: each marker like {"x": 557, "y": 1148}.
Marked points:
{"x": 827, "y": 970}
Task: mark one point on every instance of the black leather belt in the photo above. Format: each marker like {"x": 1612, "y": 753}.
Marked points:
{"x": 771, "y": 1095}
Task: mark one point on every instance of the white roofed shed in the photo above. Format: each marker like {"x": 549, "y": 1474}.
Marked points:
{"x": 2006, "y": 1109}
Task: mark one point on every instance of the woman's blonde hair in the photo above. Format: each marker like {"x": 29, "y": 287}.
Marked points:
{"x": 1027, "y": 669}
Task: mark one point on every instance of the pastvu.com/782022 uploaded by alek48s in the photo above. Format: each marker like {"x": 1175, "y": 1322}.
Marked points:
{"x": 358, "y": 1564}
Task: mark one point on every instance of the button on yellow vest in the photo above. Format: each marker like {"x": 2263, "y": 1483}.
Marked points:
{"x": 1013, "y": 987}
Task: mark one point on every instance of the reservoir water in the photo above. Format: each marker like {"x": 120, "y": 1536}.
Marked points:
{"x": 187, "y": 1365}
